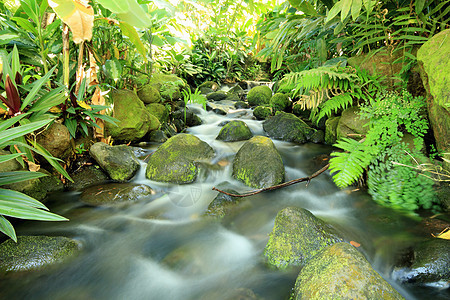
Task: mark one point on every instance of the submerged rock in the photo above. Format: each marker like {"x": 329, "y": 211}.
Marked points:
{"x": 287, "y": 127}
{"x": 35, "y": 252}
{"x": 115, "y": 193}
{"x": 234, "y": 131}
{"x": 222, "y": 204}
{"x": 119, "y": 162}
{"x": 341, "y": 272}
{"x": 258, "y": 163}
{"x": 430, "y": 263}
{"x": 297, "y": 236}
{"x": 259, "y": 95}
{"x": 175, "y": 160}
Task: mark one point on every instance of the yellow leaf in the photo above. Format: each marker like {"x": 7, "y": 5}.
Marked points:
{"x": 445, "y": 234}
{"x": 84, "y": 105}
{"x": 78, "y": 15}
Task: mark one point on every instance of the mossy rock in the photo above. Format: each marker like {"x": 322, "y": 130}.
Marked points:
{"x": 236, "y": 90}
{"x": 119, "y": 162}
{"x": 240, "y": 105}
{"x": 259, "y": 95}
{"x": 300, "y": 112}
{"x": 287, "y": 127}
{"x": 430, "y": 263}
{"x": 157, "y": 136}
{"x": 36, "y": 252}
{"x": 330, "y": 130}
{"x": 341, "y": 272}
{"x": 134, "y": 119}
{"x": 115, "y": 194}
{"x": 175, "y": 160}
{"x": 149, "y": 94}
{"x": 296, "y": 237}
{"x": 262, "y": 112}
{"x": 234, "y": 131}
{"x": 350, "y": 125}
{"x": 258, "y": 163}
{"x": 56, "y": 140}
{"x": 232, "y": 97}
{"x": 191, "y": 118}
{"x": 280, "y": 102}
{"x": 216, "y": 96}
{"x": 222, "y": 204}
{"x": 159, "y": 111}
{"x": 158, "y": 79}
{"x": 208, "y": 86}
{"x": 88, "y": 176}
{"x": 434, "y": 65}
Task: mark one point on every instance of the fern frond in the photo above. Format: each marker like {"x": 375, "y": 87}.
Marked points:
{"x": 340, "y": 101}
{"x": 349, "y": 166}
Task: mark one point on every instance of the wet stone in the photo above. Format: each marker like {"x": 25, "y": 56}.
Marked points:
{"x": 115, "y": 193}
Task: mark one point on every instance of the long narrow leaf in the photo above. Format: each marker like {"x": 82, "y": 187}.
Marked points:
{"x": 20, "y": 198}
{"x": 13, "y": 133}
{"x": 52, "y": 162}
{"x": 28, "y": 213}
{"x": 10, "y": 122}
{"x": 7, "y": 157}
{"x": 36, "y": 87}
{"x": 18, "y": 176}
{"x": 7, "y": 228}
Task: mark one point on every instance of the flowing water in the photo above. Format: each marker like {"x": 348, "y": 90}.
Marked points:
{"x": 162, "y": 247}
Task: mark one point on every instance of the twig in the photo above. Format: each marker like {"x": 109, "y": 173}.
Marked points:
{"x": 278, "y": 186}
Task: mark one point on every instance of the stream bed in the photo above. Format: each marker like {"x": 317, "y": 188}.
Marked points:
{"x": 163, "y": 246}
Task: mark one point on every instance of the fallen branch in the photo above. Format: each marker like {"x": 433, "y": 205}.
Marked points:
{"x": 278, "y": 186}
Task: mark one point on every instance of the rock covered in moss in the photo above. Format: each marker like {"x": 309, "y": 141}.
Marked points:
{"x": 280, "y": 102}
{"x": 240, "y": 105}
{"x": 430, "y": 263}
{"x": 115, "y": 193}
{"x": 149, "y": 94}
{"x": 262, "y": 112}
{"x": 157, "y": 136}
{"x": 134, "y": 119}
{"x": 159, "y": 111}
{"x": 259, "y": 95}
{"x": 351, "y": 125}
{"x": 258, "y": 163}
{"x": 191, "y": 118}
{"x": 36, "y": 252}
{"x": 216, "y": 96}
{"x": 119, "y": 162}
{"x": 330, "y": 130}
{"x": 175, "y": 160}
{"x": 222, "y": 204}
{"x": 85, "y": 177}
{"x": 296, "y": 237}
{"x": 237, "y": 91}
{"x": 434, "y": 65}
{"x": 56, "y": 140}
{"x": 341, "y": 272}
{"x": 233, "y": 131}
{"x": 289, "y": 128}
{"x": 208, "y": 87}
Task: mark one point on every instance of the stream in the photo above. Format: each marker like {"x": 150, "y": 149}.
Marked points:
{"x": 163, "y": 247}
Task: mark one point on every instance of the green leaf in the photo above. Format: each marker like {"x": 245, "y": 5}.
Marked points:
{"x": 20, "y": 211}
{"x": 7, "y": 157}
{"x": 116, "y": 6}
{"x": 7, "y": 228}
{"x": 356, "y": 8}
{"x": 13, "y": 133}
{"x": 52, "y": 161}
{"x": 113, "y": 69}
{"x": 50, "y": 99}
{"x": 419, "y": 6}
{"x": 135, "y": 16}
{"x": 10, "y": 122}
{"x": 20, "y": 198}
{"x": 132, "y": 34}
{"x": 18, "y": 176}
{"x": 346, "y": 5}
{"x": 36, "y": 88}
{"x": 25, "y": 24}
{"x": 334, "y": 11}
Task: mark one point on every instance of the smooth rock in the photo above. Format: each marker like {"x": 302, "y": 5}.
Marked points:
{"x": 259, "y": 95}
{"x": 234, "y": 131}
{"x": 262, "y": 112}
{"x": 149, "y": 94}
{"x": 287, "y": 127}
{"x": 115, "y": 193}
{"x": 56, "y": 140}
{"x": 351, "y": 125}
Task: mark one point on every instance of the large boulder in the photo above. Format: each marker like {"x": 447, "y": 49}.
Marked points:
{"x": 234, "y": 131}
{"x": 259, "y": 95}
{"x": 262, "y": 112}
{"x": 341, "y": 272}
{"x": 134, "y": 119}
{"x": 35, "y": 252}
{"x": 350, "y": 124}
{"x": 176, "y": 160}
{"x": 149, "y": 94}
{"x": 56, "y": 140}
{"x": 115, "y": 193}
{"x": 430, "y": 263}
{"x": 258, "y": 163}
{"x": 287, "y": 127}
{"x": 434, "y": 65}
{"x": 297, "y": 236}
{"x": 119, "y": 162}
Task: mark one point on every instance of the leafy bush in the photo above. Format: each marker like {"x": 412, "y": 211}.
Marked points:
{"x": 391, "y": 116}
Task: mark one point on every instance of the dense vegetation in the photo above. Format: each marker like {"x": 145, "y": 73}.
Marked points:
{"x": 61, "y": 67}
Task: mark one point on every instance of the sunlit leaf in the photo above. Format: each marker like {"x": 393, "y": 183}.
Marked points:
{"x": 18, "y": 176}
{"x": 13, "y": 133}
{"x": 334, "y": 11}
{"x": 132, "y": 34}
{"x": 26, "y": 212}
{"x": 78, "y": 15}
{"x": 135, "y": 16}
{"x": 117, "y": 6}
{"x": 445, "y": 234}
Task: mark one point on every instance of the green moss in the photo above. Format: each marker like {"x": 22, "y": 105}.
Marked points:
{"x": 262, "y": 112}
{"x": 234, "y": 131}
{"x": 149, "y": 94}
{"x": 287, "y": 127}
{"x": 158, "y": 110}
{"x": 174, "y": 161}
{"x": 259, "y": 95}
{"x": 280, "y": 102}
{"x": 330, "y": 130}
